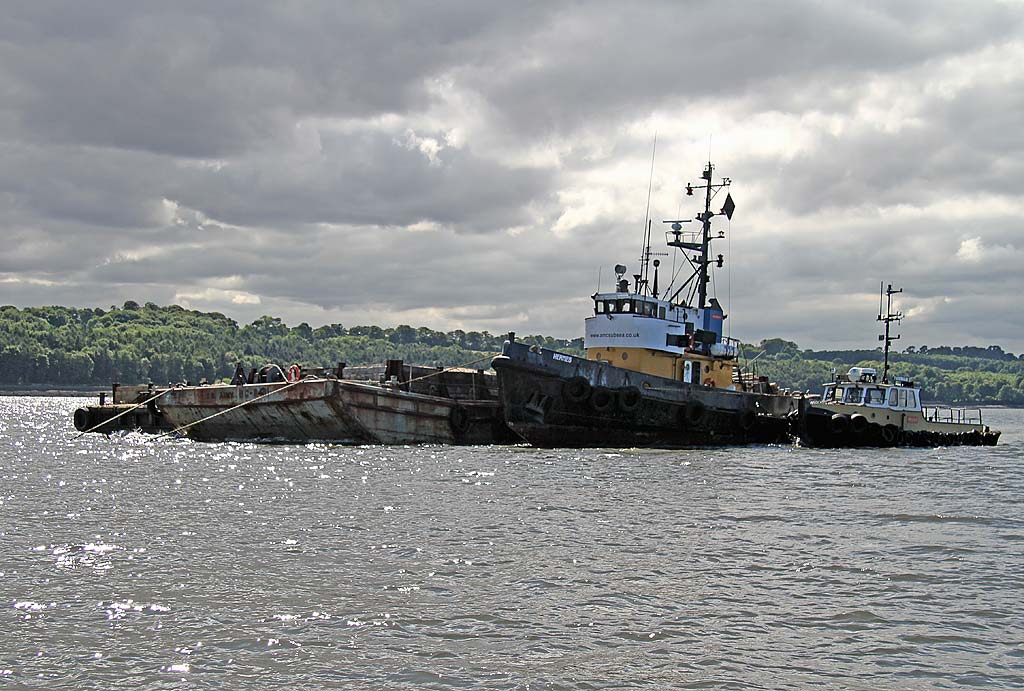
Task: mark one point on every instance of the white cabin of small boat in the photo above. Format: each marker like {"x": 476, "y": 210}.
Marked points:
{"x": 861, "y": 387}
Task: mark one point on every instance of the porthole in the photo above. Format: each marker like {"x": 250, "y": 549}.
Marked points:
{"x": 625, "y": 356}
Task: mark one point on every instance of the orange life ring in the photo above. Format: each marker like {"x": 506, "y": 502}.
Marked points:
{"x": 294, "y": 372}
{"x": 709, "y": 382}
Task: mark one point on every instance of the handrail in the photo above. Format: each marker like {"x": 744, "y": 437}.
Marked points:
{"x": 964, "y": 416}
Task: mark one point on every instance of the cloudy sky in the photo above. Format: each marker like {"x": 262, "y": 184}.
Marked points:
{"x": 480, "y": 165}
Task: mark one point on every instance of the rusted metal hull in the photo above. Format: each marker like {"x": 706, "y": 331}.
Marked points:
{"x": 556, "y": 400}
{"x": 331, "y": 410}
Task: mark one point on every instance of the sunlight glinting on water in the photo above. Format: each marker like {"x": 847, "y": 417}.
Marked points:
{"x": 172, "y": 563}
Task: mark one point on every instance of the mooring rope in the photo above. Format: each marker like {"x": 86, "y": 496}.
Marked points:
{"x": 234, "y": 407}
{"x": 135, "y": 407}
{"x": 299, "y": 381}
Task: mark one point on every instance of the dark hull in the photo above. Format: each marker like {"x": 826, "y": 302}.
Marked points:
{"x": 121, "y": 417}
{"x": 555, "y": 400}
{"x": 817, "y": 427}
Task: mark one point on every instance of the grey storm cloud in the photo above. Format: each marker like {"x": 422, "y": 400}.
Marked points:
{"x": 474, "y": 164}
{"x": 206, "y": 80}
{"x": 374, "y": 179}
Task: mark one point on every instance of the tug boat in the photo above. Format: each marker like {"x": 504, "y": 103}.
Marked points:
{"x": 658, "y": 371}
{"x": 860, "y": 409}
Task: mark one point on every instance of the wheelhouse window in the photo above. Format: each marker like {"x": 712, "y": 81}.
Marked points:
{"x": 829, "y": 393}
{"x": 875, "y": 397}
{"x": 854, "y": 394}
{"x": 902, "y": 398}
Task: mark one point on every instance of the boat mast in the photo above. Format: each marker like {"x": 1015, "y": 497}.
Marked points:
{"x": 889, "y": 317}
{"x": 702, "y": 261}
{"x": 643, "y": 278}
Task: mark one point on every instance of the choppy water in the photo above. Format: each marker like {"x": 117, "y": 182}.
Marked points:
{"x": 134, "y": 563}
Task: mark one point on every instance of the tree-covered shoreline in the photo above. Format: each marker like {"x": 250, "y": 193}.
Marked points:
{"x": 64, "y": 346}
{"x": 71, "y": 347}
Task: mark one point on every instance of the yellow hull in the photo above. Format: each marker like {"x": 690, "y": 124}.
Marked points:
{"x": 717, "y": 373}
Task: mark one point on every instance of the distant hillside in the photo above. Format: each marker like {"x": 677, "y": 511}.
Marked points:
{"x": 134, "y": 344}
{"x": 957, "y": 375}
{"x": 63, "y": 346}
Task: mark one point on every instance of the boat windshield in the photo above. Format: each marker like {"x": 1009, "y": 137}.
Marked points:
{"x": 854, "y": 394}
{"x": 902, "y": 398}
{"x": 875, "y": 397}
{"x": 643, "y": 308}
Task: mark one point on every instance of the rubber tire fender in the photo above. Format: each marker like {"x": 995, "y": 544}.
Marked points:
{"x": 82, "y": 419}
{"x": 695, "y": 412}
{"x": 838, "y": 423}
{"x": 576, "y": 390}
{"x": 458, "y": 419}
{"x": 601, "y": 399}
{"x": 747, "y": 419}
{"x": 890, "y": 433}
{"x": 629, "y": 399}
{"x": 858, "y": 423}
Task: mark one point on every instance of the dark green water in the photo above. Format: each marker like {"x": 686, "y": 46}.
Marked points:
{"x": 129, "y": 563}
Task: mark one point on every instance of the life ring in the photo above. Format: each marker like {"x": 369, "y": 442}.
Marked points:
{"x": 576, "y": 390}
{"x": 602, "y": 399}
{"x": 294, "y": 372}
{"x": 629, "y": 399}
{"x": 708, "y": 381}
{"x": 458, "y": 418}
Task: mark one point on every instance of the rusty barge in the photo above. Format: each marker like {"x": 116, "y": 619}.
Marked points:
{"x": 396, "y": 404}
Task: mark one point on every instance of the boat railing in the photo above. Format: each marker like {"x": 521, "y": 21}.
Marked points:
{"x": 964, "y": 416}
